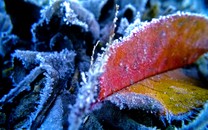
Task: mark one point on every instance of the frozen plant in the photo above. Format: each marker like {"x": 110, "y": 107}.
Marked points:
{"x": 55, "y": 67}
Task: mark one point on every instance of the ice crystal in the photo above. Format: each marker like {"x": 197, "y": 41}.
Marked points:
{"x": 87, "y": 94}
{"x": 56, "y": 69}
{"x": 136, "y": 101}
{"x": 71, "y": 17}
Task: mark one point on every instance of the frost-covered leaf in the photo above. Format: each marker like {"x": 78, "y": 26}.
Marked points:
{"x": 176, "y": 92}
{"x": 61, "y": 27}
{"x": 163, "y": 44}
{"x": 38, "y": 78}
{"x": 61, "y": 15}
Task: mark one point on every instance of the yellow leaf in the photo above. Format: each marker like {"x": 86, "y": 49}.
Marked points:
{"x": 177, "y": 92}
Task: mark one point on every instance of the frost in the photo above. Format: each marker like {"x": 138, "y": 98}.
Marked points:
{"x": 85, "y": 18}
{"x": 71, "y": 17}
{"x": 136, "y": 101}
{"x": 123, "y": 51}
{"x": 48, "y": 11}
{"x": 138, "y": 26}
{"x": 123, "y": 25}
{"x": 45, "y": 94}
{"x": 63, "y": 10}
{"x": 87, "y": 94}
{"x": 55, "y": 67}
{"x": 71, "y": 24}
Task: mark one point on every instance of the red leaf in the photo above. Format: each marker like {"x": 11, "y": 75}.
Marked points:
{"x": 163, "y": 44}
